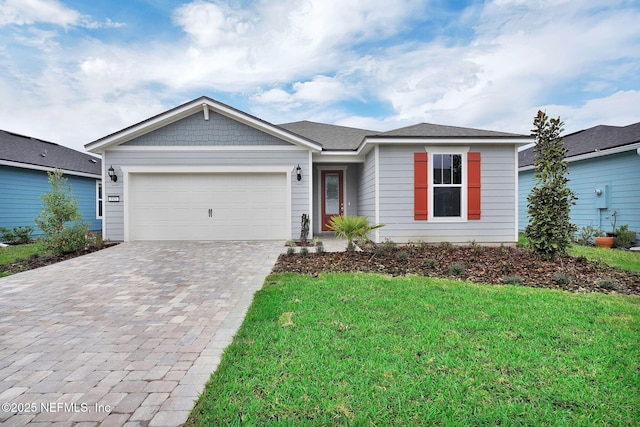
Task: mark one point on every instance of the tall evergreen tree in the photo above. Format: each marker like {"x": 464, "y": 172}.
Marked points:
{"x": 550, "y": 231}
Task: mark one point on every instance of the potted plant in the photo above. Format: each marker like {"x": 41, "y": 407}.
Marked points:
{"x": 608, "y": 240}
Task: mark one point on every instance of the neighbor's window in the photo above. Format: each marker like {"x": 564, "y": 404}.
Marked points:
{"x": 98, "y": 199}
{"x": 447, "y": 185}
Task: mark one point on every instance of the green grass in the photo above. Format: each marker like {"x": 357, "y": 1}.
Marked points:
{"x": 625, "y": 260}
{"x": 362, "y": 349}
{"x": 11, "y": 253}
{"x": 617, "y": 258}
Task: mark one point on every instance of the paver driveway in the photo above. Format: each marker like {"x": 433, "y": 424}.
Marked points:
{"x": 124, "y": 336}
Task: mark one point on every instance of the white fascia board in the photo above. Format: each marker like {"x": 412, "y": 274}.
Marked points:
{"x": 47, "y": 169}
{"x": 593, "y": 155}
{"x": 186, "y": 110}
{"x": 338, "y": 157}
{"x": 443, "y": 141}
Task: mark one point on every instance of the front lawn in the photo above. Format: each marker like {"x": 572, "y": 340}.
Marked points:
{"x": 368, "y": 349}
{"x": 10, "y": 254}
{"x": 619, "y": 258}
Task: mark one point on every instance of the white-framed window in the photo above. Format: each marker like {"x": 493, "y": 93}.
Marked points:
{"x": 99, "y": 204}
{"x": 448, "y": 181}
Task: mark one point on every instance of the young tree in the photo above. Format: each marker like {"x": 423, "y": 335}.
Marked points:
{"x": 60, "y": 218}
{"x": 550, "y": 230}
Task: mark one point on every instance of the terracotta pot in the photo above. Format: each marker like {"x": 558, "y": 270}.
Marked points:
{"x": 605, "y": 242}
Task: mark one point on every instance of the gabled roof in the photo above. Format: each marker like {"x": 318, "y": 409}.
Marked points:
{"x": 203, "y": 104}
{"x": 32, "y": 153}
{"x": 331, "y": 137}
{"x": 596, "y": 140}
{"x": 428, "y": 130}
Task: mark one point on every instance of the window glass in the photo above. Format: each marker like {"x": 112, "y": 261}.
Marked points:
{"x": 447, "y": 185}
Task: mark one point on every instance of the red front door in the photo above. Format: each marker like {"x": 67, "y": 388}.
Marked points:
{"x": 332, "y": 197}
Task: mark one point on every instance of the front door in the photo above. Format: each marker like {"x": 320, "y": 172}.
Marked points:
{"x": 332, "y": 197}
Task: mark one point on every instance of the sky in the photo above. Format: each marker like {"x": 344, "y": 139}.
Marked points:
{"x": 73, "y": 71}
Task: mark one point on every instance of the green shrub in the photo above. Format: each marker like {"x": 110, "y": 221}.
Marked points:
{"x": 609, "y": 284}
{"x": 16, "y": 235}
{"x": 513, "y": 280}
{"x": 304, "y": 252}
{"x": 403, "y": 256}
{"x": 586, "y": 235}
{"x": 291, "y": 250}
{"x": 60, "y": 218}
{"x": 624, "y": 236}
{"x": 430, "y": 263}
{"x": 561, "y": 278}
{"x": 456, "y": 269}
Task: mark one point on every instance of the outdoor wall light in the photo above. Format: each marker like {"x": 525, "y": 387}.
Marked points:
{"x": 299, "y": 173}
{"x": 112, "y": 174}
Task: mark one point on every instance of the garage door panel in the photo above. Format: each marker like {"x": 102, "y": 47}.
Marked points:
{"x": 178, "y": 206}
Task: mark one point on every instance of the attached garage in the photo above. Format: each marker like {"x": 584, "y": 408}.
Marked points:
{"x": 208, "y": 206}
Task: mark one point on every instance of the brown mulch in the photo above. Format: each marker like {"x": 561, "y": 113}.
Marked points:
{"x": 494, "y": 265}
{"x": 38, "y": 261}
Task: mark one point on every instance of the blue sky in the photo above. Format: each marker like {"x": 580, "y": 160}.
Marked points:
{"x": 72, "y": 71}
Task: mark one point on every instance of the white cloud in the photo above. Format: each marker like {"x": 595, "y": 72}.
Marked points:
{"x": 24, "y": 12}
{"x": 291, "y": 60}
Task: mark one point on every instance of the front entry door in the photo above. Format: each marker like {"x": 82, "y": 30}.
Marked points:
{"x": 332, "y": 197}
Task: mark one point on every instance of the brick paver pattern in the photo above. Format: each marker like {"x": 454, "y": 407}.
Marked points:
{"x": 125, "y": 336}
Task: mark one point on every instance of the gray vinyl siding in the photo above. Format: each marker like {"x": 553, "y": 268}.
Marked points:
{"x": 366, "y": 188}
{"x": 498, "y": 199}
{"x": 291, "y": 158}
{"x": 194, "y": 130}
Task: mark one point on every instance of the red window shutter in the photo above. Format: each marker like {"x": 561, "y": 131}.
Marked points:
{"x": 473, "y": 185}
{"x": 421, "y": 185}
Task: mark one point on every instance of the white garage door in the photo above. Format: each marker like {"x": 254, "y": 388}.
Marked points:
{"x": 220, "y": 206}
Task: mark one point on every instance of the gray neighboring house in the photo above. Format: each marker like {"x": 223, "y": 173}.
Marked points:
{"x": 24, "y": 163}
{"x": 207, "y": 171}
{"x": 604, "y": 172}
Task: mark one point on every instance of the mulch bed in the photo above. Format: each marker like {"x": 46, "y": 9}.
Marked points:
{"x": 32, "y": 262}
{"x": 479, "y": 264}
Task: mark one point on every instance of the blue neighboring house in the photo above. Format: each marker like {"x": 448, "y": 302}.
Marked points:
{"x": 604, "y": 172}
{"x": 24, "y": 163}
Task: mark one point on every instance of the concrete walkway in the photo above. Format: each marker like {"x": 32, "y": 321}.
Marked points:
{"x": 124, "y": 336}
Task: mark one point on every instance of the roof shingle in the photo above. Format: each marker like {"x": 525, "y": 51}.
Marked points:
{"x": 31, "y": 151}
{"x": 597, "y": 138}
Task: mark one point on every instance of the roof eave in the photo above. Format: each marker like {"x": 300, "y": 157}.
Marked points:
{"x": 594, "y": 154}
{"x": 431, "y": 140}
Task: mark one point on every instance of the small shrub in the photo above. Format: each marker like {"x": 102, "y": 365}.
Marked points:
{"x": 291, "y": 243}
{"x": 319, "y": 247}
{"x": 424, "y": 245}
{"x": 513, "y": 280}
{"x": 390, "y": 245}
{"x": 456, "y": 269}
{"x": 304, "y": 252}
{"x": 561, "y": 278}
{"x": 476, "y": 248}
{"x": 291, "y": 250}
{"x": 60, "y": 218}
{"x": 609, "y": 284}
{"x": 586, "y": 235}
{"x": 582, "y": 260}
{"x": 380, "y": 251}
{"x": 17, "y": 235}
{"x": 624, "y": 237}
{"x": 403, "y": 256}
{"x": 430, "y": 263}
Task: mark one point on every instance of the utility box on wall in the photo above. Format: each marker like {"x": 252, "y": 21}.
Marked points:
{"x": 601, "y": 196}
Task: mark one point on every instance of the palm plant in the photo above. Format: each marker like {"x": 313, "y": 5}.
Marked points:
{"x": 352, "y": 228}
